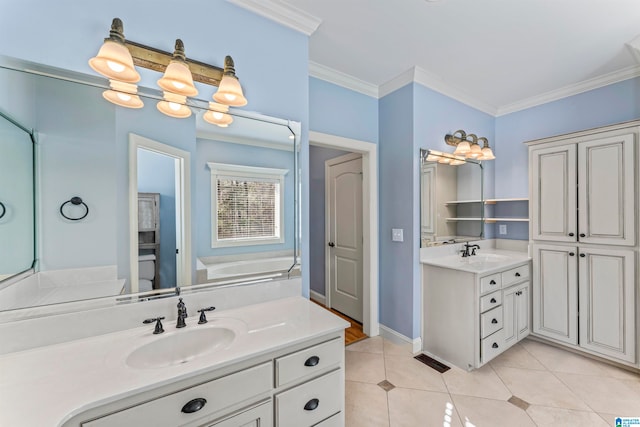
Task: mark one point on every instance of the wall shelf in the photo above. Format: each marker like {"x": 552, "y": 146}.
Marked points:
{"x": 460, "y": 202}
{"x": 494, "y": 220}
{"x": 464, "y": 219}
{"x": 516, "y": 199}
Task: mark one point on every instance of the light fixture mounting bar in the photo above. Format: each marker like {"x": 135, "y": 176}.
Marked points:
{"x": 157, "y": 60}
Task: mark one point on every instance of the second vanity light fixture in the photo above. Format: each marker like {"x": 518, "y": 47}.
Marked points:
{"x": 467, "y": 146}
{"x": 118, "y": 57}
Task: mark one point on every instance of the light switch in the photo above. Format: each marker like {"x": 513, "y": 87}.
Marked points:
{"x": 503, "y": 228}
{"x": 397, "y": 235}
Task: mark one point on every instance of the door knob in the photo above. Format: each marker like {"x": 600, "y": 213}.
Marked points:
{"x": 331, "y": 244}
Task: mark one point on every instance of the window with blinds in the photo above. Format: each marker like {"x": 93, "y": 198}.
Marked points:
{"x": 246, "y": 205}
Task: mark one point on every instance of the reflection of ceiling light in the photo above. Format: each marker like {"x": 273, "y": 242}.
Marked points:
{"x": 173, "y": 105}
{"x": 123, "y": 94}
{"x": 440, "y": 157}
{"x": 177, "y": 76}
{"x": 216, "y": 115}
{"x": 114, "y": 60}
{"x": 292, "y": 137}
{"x": 230, "y": 92}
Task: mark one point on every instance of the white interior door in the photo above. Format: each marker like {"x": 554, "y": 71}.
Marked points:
{"x": 344, "y": 235}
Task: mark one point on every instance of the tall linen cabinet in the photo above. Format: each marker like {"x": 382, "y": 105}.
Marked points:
{"x": 583, "y": 190}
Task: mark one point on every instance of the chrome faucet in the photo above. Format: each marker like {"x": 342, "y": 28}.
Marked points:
{"x": 182, "y": 314}
{"x": 465, "y": 252}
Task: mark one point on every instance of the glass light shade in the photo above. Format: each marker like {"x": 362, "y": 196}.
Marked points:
{"x": 178, "y": 79}
{"x": 463, "y": 147}
{"x": 123, "y": 94}
{"x": 216, "y": 115}
{"x": 115, "y": 62}
{"x": 457, "y": 162}
{"x": 487, "y": 154}
{"x": 230, "y": 92}
{"x": 173, "y": 106}
{"x": 475, "y": 152}
{"x": 444, "y": 160}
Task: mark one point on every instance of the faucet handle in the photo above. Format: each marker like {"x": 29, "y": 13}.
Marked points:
{"x": 159, "y": 329}
{"x": 203, "y": 317}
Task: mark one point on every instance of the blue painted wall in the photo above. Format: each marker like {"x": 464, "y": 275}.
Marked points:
{"x": 156, "y": 174}
{"x": 607, "y": 105}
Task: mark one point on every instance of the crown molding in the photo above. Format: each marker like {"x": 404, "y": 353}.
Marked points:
{"x": 281, "y": 13}
{"x": 570, "y": 90}
{"x": 339, "y": 78}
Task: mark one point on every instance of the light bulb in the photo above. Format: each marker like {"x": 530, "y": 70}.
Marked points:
{"x": 123, "y": 96}
{"x": 174, "y": 106}
{"x": 115, "y": 67}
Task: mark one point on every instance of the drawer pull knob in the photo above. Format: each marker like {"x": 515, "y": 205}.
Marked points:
{"x": 311, "y": 405}
{"x": 517, "y": 274}
{"x": 495, "y": 345}
{"x": 571, "y": 234}
{"x": 493, "y": 301}
{"x": 571, "y": 253}
{"x": 582, "y": 255}
{"x": 194, "y": 405}
{"x": 494, "y": 321}
{"x": 493, "y": 282}
{"x": 583, "y": 235}
{"x": 312, "y": 361}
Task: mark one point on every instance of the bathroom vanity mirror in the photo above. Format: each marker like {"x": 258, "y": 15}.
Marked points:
{"x": 17, "y": 244}
{"x": 451, "y": 199}
{"x": 197, "y": 194}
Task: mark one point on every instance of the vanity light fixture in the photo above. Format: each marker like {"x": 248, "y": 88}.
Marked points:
{"x": 230, "y": 92}
{"x": 216, "y": 115}
{"x": 467, "y": 145}
{"x": 118, "y": 57}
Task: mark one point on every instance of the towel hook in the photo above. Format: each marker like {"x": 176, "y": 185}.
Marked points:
{"x": 74, "y": 201}
{"x": 4, "y": 210}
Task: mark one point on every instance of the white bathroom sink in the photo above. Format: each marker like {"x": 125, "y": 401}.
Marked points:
{"x": 181, "y": 346}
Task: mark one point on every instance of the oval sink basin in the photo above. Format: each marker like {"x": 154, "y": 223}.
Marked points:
{"x": 180, "y": 347}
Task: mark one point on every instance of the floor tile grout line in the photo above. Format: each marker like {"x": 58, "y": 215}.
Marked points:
{"x": 384, "y": 365}
{"x": 512, "y": 395}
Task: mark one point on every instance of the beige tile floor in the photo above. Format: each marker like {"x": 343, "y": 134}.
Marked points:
{"x": 557, "y": 387}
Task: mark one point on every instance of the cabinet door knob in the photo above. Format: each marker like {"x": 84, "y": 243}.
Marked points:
{"x": 583, "y": 235}
{"x": 517, "y": 274}
{"x": 495, "y": 345}
{"x": 493, "y": 301}
{"x": 312, "y": 361}
{"x": 194, "y": 405}
{"x": 494, "y": 321}
{"x": 331, "y": 244}
{"x": 493, "y": 282}
{"x": 571, "y": 234}
{"x": 311, "y": 405}
{"x": 582, "y": 255}
{"x": 572, "y": 254}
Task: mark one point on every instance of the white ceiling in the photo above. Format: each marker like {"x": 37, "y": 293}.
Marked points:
{"x": 496, "y": 55}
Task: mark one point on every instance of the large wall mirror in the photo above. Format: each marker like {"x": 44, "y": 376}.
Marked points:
{"x": 131, "y": 204}
{"x": 451, "y": 199}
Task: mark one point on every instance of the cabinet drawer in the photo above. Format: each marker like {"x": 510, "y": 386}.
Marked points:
{"x": 515, "y": 275}
{"x": 257, "y": 416}
{"x": 490, "y": 301}
{"x": 219, "y": 394}
{"x": 309, "y": 361}
{"x": 334, "y": 421}
{"x": 490, "y": 322}
{"x": 492, "y": 346}
{"x": 311, "y": 402}
{"x": 490, "y": 283}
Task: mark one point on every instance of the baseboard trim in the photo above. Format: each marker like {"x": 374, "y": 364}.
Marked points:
{"x": 317, "y": 297}
{"x": 391, "y": 335}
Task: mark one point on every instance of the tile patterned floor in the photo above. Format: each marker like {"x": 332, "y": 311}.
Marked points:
{"x": 531, "y": 384}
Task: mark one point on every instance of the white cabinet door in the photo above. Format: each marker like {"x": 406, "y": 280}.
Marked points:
{"x": 428, "y": 200}
{"x": 553, "y": 193}
{"x": 606, "y": 191}
{"x": 515, "y": 303}
{"x": 555, "y": 292}
{"x": 607, "y": 302}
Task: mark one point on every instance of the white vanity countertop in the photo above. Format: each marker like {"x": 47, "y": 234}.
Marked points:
{"x": 486, "y": 261}
{"x": 47, "y": 385}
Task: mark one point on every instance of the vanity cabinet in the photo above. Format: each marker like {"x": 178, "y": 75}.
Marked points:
{"x": 583, "y": 188}
{"x": 470, "y": 318}
{"x": 298, "y": 386}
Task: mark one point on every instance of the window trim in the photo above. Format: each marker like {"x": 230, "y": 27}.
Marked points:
{"x": 242, "y": 171}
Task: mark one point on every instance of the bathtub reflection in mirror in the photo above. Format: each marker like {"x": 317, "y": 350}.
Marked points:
{"x": 83, "y": 150}
{"x": 451, "y": 200}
